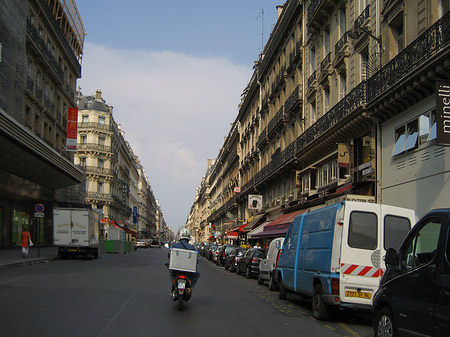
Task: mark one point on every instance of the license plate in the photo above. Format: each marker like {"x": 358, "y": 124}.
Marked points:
{"x": 181, "y": 285}
{"x": 359, "y": 294}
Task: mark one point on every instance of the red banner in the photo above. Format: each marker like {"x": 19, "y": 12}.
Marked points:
{"x": 72, "y": 124}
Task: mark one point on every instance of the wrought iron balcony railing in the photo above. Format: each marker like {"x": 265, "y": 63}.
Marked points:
{"x": 94, "y": 125}
{"x": 362, "y": 17}
{"x": 340, "y": 44}
{"x": 94, "y": 146}
{"x": 418, "y": 52}
{"x": 293, "y": 99}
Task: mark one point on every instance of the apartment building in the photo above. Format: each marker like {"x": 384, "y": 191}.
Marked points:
{"x": 116, "y": 182}
{"x": 341, "y": 105}
{"x": 41, "y": 45}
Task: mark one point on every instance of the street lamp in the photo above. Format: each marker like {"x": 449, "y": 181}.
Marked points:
{"x": 356, "y": 32}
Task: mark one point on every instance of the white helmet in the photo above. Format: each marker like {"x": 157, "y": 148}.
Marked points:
{"x": 185, "y": 234}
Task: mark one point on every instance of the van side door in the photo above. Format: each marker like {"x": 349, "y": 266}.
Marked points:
{"x": 288, "y": 256}
{"x": 415, "y": 288}
{"x": 442, "y": 318}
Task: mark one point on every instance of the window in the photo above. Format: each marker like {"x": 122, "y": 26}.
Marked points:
{"x": 100, "y": 187}
{"x": 85, "y": 119}
{"x": 83, "y": 161}
{"x": 415, "y": 132}
{"x": 326, "y": 100}
{"x": 363, "y": 232}
{"x": 427, "y": 126}
{"x": 341, "y": 18}
{"x": 342, "y": 85}
{"x": 395, "y": 230}
{"x": 101, "y": 120}
{"x": 83, "y": 139}
{"x": 101, "y": 163}
{"x": 421, "y": 247}
{"x": 312, "y": 59}
{"x": 312, "y": 113}
{"x": 101, "y": 140}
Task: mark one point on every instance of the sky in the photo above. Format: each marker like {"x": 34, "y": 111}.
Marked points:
{"x": 174, "y": 72}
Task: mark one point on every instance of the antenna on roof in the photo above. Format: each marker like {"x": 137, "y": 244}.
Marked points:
{"x": 261, "y": 14}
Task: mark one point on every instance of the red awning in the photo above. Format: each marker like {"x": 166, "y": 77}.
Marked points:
{"x": 232, "y": 235}
{"x": 286, "y": 218}
{"x": 241, "y": 227}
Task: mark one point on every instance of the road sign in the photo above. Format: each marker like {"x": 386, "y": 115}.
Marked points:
{"x": 38, "y": 215}
{"x": 39, "y": 208}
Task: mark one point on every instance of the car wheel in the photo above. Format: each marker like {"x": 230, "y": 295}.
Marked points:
{"x": 282, "y": 295}
{"x": 248, "y": 273}
{"x": 320, "y": 309}
{"x": 272, "y": 284}
{"x": 260, "y": 280}
{"x": 384, "y": 324}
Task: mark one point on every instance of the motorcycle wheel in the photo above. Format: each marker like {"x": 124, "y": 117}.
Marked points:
{"x": 180, "y": 302}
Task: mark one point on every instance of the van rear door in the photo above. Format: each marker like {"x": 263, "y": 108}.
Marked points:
{"x": 360, "y": 253}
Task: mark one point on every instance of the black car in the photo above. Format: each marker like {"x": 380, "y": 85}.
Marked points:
{"x": 223, "y": 252}
{"x": 414, "y": 294}
{"x": 210, "y": 252}
{"x": 232, "y": 259}
{"x": 249, "y": 263}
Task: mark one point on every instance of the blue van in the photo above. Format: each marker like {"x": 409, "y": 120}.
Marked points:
{"x": 334, "y": 254}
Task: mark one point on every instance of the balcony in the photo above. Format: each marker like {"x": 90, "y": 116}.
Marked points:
{"x": 294, "y": 56}
{"x": 425, "y": 54}
{"x": 276, "y": 122}
{"x": 98, "y": 196}
{"x": 95, "y": 126}
{"x": 363, "y": 19}
{"x": 335, "y": 116}
{"x": 311, "y": 84}
{"x": 341, "y": 51}
{"x": 98, "y": 170}
{"x": 262, "y": 138}
{"x": 45, "y": 53}
{"x": 94, "y": 147}
{"x": 294, "y": 101}
{"x": 325, "y": 68}
{"x": 318, "y": 12}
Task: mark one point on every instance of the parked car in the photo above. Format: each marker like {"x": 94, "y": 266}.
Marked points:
{"x": 232, "y": 259}
{"x": 268, "y": 265}
{"x": 142, "y": 243}
{"x": 249, "y": 263}
{"x": 414, "y": 293}
{"x": 223, "y": 252}
{"x": 155, "y": 243}
{"x": 204, "y": 248}
{"x": 210, "y": 251}
{"x": 215, "y": 255}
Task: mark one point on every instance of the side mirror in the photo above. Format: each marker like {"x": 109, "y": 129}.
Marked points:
{"x": 166, "y": 245}
{"x": 391, "y": 259}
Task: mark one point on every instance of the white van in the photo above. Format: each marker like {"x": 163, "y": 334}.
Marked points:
{"x": 267, "y": 265}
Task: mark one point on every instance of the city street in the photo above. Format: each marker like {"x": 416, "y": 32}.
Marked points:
{"x": 128, "y": 295}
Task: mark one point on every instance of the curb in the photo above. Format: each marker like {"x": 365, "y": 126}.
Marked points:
{"x": 27, "y": 263}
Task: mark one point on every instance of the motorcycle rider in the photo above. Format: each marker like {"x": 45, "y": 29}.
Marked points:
{"x": 184, "y": 237}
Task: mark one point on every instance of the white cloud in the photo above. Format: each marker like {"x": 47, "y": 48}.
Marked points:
{"x": 175, "y": 110}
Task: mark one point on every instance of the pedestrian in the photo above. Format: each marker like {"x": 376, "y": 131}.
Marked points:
{"x": 257, "y": 245}
{"x": 26, "y": 238}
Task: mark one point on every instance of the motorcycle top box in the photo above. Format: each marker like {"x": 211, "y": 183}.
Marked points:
{"x": 183, "y": 260}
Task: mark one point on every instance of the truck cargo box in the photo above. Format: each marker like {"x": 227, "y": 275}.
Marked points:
{"x": 183, "y": 260}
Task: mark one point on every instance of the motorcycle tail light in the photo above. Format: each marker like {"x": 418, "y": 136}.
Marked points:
{"x": 182, "y": 276}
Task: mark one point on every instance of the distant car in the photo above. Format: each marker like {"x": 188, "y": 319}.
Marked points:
{"x": 215, "y": 255}
{"x": 223, "y": 252}
{"x": 204, "y": 248}
{"x": 267, "y": 265}
{"x": 233, "y": 258}
{"x": 142, "y": 243}
{"x": 155, "y": 243}
{"x": 249, "y": 263}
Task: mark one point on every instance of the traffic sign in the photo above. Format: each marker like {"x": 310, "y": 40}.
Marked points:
{"x": 38, "y": 215}
{"x": 39, "y": 208}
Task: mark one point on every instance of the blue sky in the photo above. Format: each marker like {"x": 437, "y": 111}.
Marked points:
{"x": 174, "y": 71}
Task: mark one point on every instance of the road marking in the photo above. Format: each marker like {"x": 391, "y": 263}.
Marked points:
{"x": 349, "y": 330}
{"x": 14, "y": 279}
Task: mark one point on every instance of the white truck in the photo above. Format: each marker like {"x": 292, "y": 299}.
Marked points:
{"x": 76, "y": 232}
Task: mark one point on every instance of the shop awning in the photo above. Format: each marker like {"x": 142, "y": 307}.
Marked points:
{"x": 250, "y": 225}
{"x": 280, "y": 226}
{"x": 231, "y": 235}
{"x": 255, "y": 232}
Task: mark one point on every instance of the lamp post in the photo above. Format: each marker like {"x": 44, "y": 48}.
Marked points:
{"x": 356, "y": 32}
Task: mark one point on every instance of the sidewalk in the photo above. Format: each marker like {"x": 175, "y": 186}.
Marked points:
{"x": 13, "y": 257}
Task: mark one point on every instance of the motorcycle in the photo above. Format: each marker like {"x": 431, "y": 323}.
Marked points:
{"x": 181, "y": 290}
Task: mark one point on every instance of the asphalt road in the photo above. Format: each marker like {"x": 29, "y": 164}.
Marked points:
{"x": 128, "y": 295}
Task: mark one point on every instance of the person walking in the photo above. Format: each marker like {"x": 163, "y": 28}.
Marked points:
{"x": 26, "y": 238}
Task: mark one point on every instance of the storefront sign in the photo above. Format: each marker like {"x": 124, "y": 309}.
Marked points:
{"x": 443, "y": 112}
{"x": 72, "y": 124}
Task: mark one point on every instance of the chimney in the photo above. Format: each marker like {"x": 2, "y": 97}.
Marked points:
{"x": 279, "y": 10}
{"x": 98, "y": 94}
